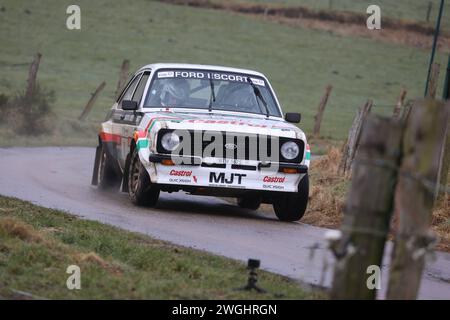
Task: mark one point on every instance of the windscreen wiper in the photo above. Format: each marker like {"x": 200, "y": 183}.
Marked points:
{"x": 213, "y": 95}
{"x": 259, "y": 95}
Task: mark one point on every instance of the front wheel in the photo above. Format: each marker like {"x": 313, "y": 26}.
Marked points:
{"x": 292, "y": 206}
{"x": 140, "y": 189}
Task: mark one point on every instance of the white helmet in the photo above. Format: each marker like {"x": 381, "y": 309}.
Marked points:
{"x": 174, "y": 92}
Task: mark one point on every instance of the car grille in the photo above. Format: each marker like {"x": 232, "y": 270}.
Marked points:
{"x": 248, "y": 146}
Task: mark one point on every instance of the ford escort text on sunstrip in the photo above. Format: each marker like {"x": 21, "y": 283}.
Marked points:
{"x": 204, "y": 130}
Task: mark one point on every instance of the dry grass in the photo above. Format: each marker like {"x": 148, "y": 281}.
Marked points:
{"x": 327, "y": 193}
{"x": 441, "y": 223}
{"x": 403, "y": 36}
{"x": 16, "y": 229}
{"x": 95, "y": 259}
{"x": 29, "y": 115}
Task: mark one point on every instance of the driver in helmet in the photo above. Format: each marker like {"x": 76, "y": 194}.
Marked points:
{"x": 174, "y": 92}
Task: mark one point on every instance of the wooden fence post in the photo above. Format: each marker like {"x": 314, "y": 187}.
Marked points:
{"x": 400, "y": 102}
{"x": 353, "y": 137}
{"x": 354, "y": 149}
{"x": 434, "y": 77}
{"x": 123, "y": 76}
{"x": 318, "y": 117}
{"x": 406, "y": 110}
{"x": 445, "y": 162}
{"x": 366, "y": 220}
{"x": 430, "y": 5}
{"x": 346, "y": 148}
{"x": 91, "y": 102}
{"x": 32, "y": 74}
{"x": 422, "y": 144}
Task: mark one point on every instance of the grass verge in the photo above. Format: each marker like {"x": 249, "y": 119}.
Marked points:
{"x": 38, "y": 244}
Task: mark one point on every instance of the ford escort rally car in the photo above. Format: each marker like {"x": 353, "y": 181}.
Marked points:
{"x": 205, "y": 130}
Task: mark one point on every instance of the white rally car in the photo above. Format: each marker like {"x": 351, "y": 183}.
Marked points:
{"x": 205, "y": 130}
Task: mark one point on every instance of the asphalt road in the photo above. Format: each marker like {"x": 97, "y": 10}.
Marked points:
{"x": 60, "y": 178}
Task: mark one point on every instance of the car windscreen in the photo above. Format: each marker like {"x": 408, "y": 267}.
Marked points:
{"x": 213, "y": 90}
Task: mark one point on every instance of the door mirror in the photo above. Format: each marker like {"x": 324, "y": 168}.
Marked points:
{"x": 293, "y": 117}
{"x": 129, "y": 105}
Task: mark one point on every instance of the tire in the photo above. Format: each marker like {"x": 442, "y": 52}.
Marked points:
{"x": 140, "y": 189}
{"x": 107, "y": 178}
{"x": 292, "y": 206}
{"x": 249, "y": 202}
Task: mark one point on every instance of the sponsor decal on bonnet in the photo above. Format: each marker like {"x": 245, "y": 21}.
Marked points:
{"x": 233, "y": 122}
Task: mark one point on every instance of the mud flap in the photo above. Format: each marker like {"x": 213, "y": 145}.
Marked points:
{"x": 98, "y": 150}
{"x": 124, "y": 186}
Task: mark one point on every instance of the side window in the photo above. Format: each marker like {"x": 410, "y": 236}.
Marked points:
{"x": 129, "y": 92}
{"x": 140, "y": 88}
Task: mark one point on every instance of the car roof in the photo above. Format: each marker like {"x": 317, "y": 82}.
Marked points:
{"x": 156, "y": 66}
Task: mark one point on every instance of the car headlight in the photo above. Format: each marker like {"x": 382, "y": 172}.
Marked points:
{"x": 170, "y": 141}
{"x": 289, "y": 150}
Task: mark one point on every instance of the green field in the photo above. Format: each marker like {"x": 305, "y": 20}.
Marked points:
{"x": 38, "y": 244}
{"x": 299, "y": 62}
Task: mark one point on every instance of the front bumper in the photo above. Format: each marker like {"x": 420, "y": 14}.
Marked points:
{"x": 246, "y": 175}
